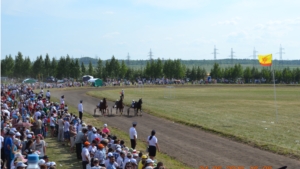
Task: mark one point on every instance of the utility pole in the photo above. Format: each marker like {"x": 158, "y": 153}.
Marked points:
{"x": 150, "y": 55}
{"x": 215, "y": 53}
{"x": 128, "y": 59}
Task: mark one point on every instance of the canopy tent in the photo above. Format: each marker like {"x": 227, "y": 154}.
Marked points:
{"x": 29, "y": 81}
{"x": 98, "y": 83}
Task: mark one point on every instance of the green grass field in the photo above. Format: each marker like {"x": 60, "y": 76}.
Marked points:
{"x": 244, "y": 113}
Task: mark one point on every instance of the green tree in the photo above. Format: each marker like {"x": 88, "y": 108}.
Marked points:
{"x": 123, "y": 69}
{"x": 158, "y": 69}
{"x": 61, "y": 68}
{"x": 193, "y": 74}
{"x": 215, "y": 72}
{"x": 91, "y": 70}
{"x": 72, "y": 69}
{"x": 99, "y": 68}
{"x": 237, "y": 71}
{"x": 7, "y": 66}
{"x": 18, "y": 65}
{"x": 26, "y": 67}
{"x": 47, "y": 66}
{"x": 247, "y": 74}
{"x": 83, "y": 70}
{"x": 53, "y": 66}
{"x": 37, "y": 68}
{"x": 68, "y": 66}
{"x": 287, "y": 75}
{"x": 76, "y": 69}
{"x": 266, "y": 74}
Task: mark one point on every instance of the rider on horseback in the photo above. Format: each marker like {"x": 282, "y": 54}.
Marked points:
{"x": 122, "y": 93}
{"x": 132, "y": 104}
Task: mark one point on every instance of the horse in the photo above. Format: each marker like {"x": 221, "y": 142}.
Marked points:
{"x": 136, "y": 107}
{"x": 103, "y": 107}
{"x": 119, "y": 106}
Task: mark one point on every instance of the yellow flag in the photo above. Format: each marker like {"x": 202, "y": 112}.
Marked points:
{"x": 265, "y": 60}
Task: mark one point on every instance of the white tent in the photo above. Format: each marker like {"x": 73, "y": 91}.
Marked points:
{"x": 93, "y": 80}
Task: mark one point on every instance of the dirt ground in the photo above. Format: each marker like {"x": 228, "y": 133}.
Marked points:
{"x": 189, "y": 145}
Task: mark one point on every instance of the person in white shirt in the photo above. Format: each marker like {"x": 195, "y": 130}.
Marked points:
{"x": 80, "y": 109}
{"x": 62, "y": 100}
{"x": 66, "y": 130}
{"x": 121, "y": 159}
{"x": 36, "y": 114}
{"x": 93, "y": 148}
{"x": 60, "y": 136}
{"x": 128, "y": 158}
{"x": 52, "y": 124}
{"x": 48, "y": 95}
{"x": 85, "y": 155}
{"x": 133, "y": 135}
{"x": 152, "y": 145}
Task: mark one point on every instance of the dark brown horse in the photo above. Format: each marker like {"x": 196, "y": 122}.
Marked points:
{"x": 136, "y": 107}
{"x": 104, "y": 107}
{"x": 119, "y": 106}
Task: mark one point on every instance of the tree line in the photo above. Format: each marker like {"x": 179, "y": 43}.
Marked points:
{"x": 249, "y": 74}
{"x": 66, "y": 67}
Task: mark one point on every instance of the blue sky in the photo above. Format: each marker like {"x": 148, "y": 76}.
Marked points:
{"x": 186, "y": 29}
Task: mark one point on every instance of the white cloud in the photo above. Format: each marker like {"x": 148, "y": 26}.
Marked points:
{"x": 232, "y": 21}
{"x": 174, "y": 4}
{"x": 111, "y": 34}
{"x": 109, "y": 12}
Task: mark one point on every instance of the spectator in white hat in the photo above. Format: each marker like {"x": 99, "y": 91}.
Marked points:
{"x": 148, "y": 164}
{"x": 21, "y": 165}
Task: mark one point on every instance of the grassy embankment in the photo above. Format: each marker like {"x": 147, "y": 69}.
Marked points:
{"x": 66, "y": 160}
{"x": 245, "y": 114}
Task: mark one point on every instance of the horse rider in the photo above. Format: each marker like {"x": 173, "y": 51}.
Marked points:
{"x": 132, "y": 104}
{"x": 122, "y": 93}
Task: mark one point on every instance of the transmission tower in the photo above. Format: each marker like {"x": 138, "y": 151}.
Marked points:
{"x": 254, "y": 56}
{"x": 150, "y": 55}
{"x": 215, "y": 53}
{"x": 280, "y": 54}
{"x": 232, "y": 56}
{"x": 128, "y": 59}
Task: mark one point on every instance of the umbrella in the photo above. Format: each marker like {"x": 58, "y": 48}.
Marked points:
{"x": 23, "y": 124}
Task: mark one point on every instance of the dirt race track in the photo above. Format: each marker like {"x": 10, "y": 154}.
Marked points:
{"x": 186, "y": 144}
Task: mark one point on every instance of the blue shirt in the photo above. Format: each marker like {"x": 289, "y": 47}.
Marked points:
{"x": 111, "y": 166}
{"x": 8, "y": 141}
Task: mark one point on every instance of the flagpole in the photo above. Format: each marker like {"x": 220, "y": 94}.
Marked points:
{"x": 275, "y": 100}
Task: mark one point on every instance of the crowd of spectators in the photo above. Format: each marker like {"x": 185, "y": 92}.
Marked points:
{"x": 27, "y": 118}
